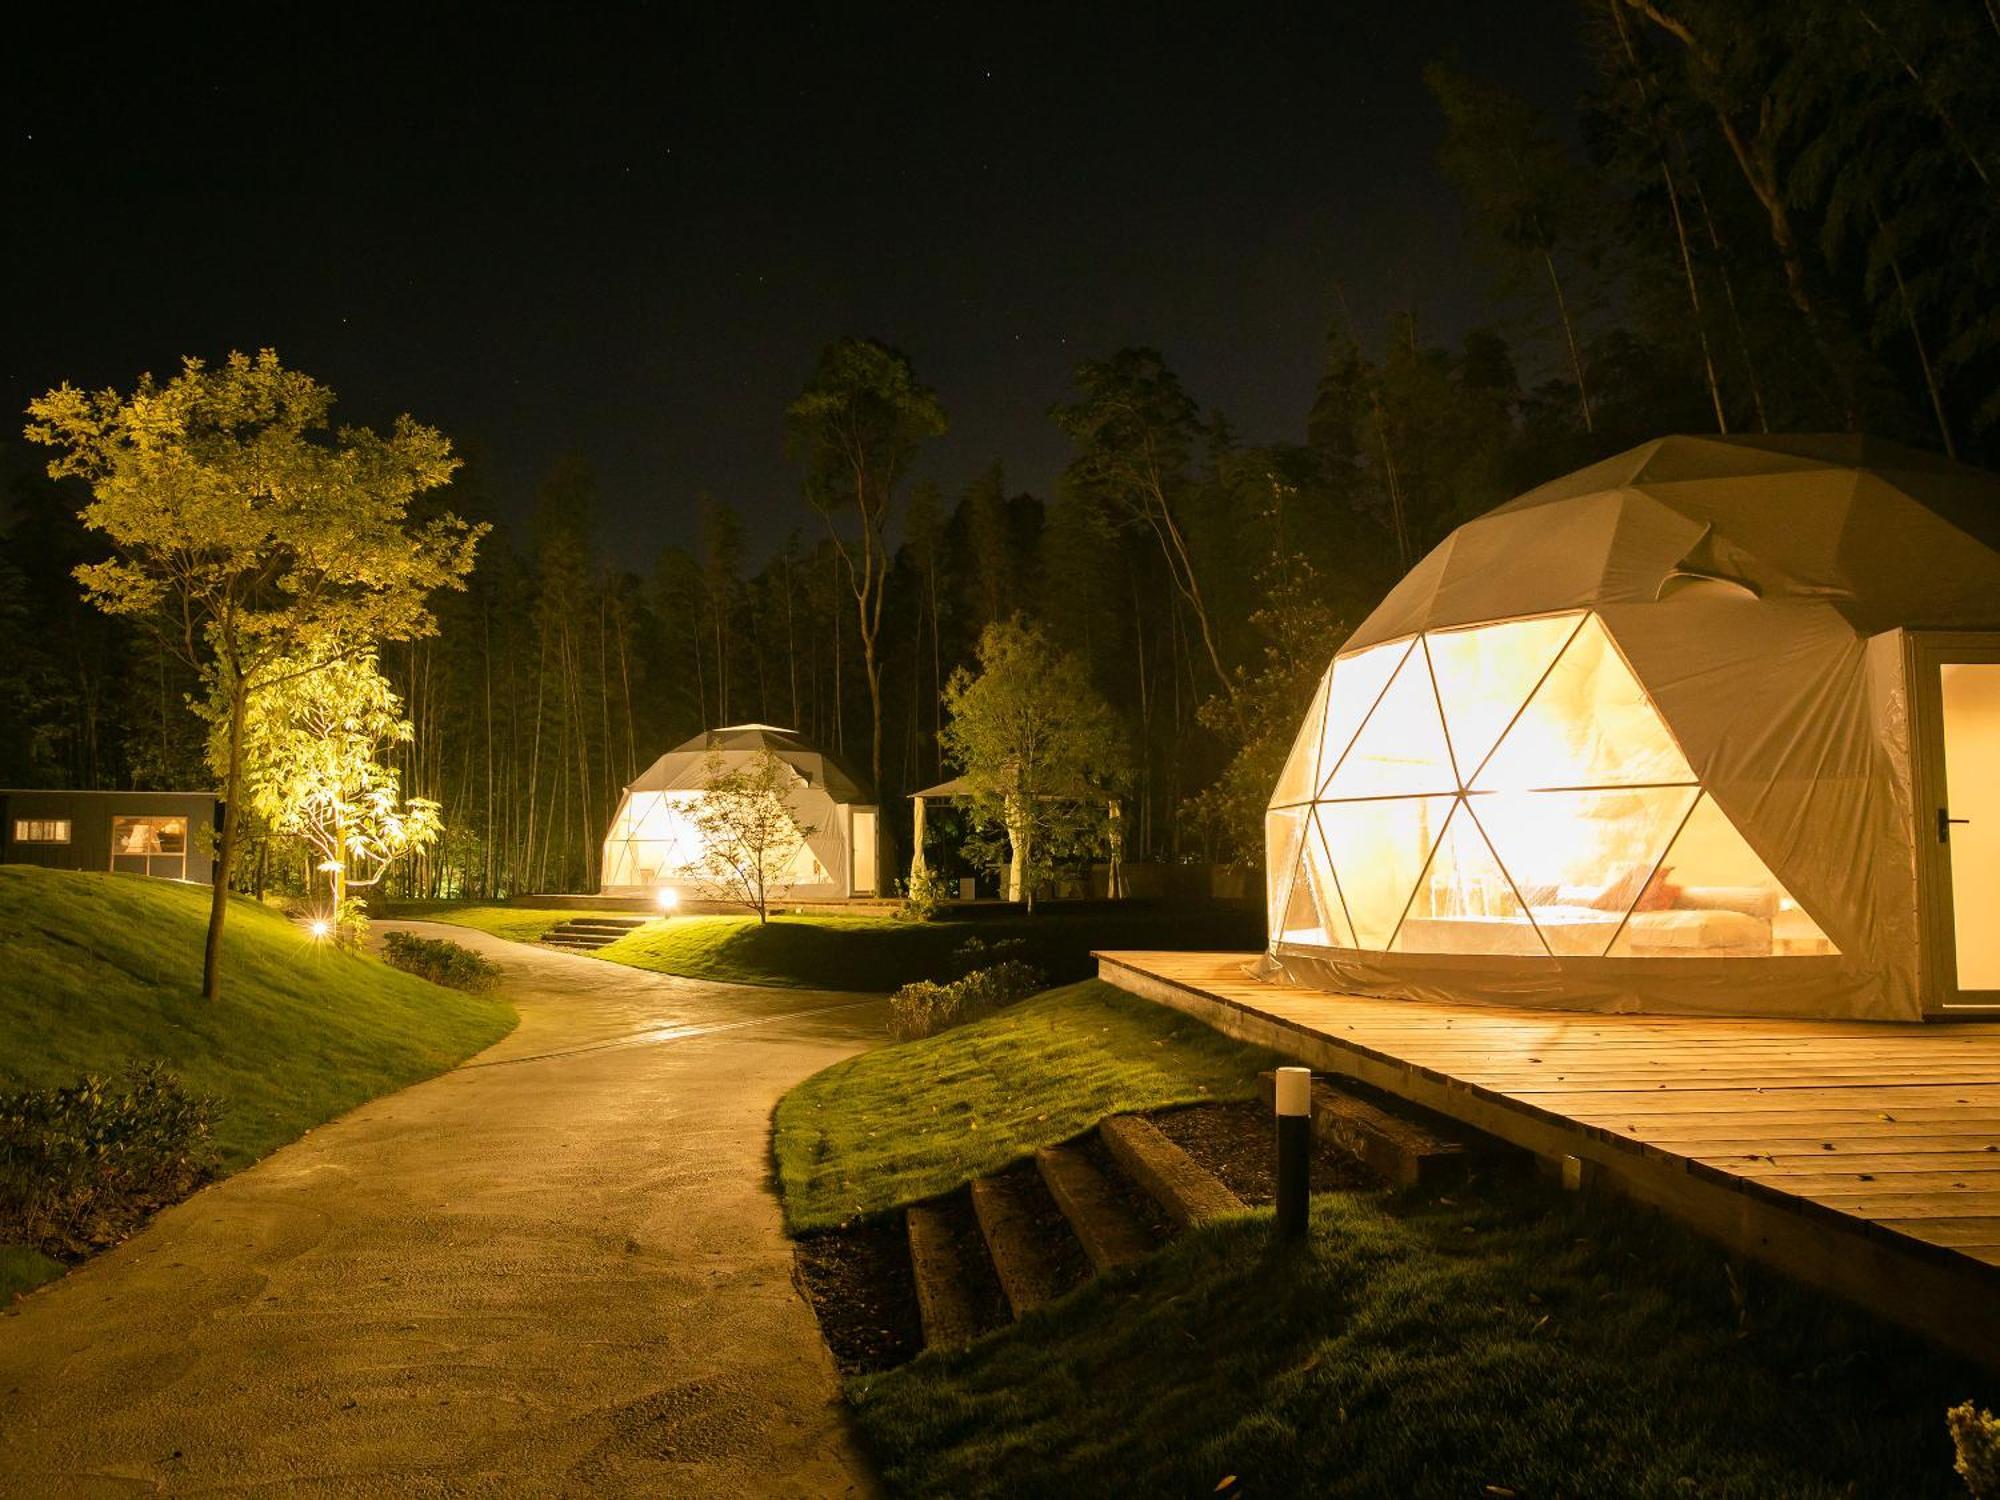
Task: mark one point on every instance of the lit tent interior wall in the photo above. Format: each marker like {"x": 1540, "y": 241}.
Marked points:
{"x": 652, "y": 841}
{"x": 1672, "y": 733}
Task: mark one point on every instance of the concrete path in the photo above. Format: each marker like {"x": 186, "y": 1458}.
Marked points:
{"x": 556, "y": 1270}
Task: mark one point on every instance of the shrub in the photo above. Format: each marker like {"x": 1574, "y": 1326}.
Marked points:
{"x": 83, "y": 1166}
{"x": 923, "y": 894}
{"x": 439, "y": 960}
{"x": 1976, "y": 1436}
{"x": 926, "y": 1008}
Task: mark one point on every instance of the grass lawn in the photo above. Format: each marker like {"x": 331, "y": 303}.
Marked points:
{"x": 1511, "y": 1336}
{"x": 880, "y": 953}
{"x": 106, "y": 969}
{"x": 903, "y": 1123}
{"x": 520, "y": 924}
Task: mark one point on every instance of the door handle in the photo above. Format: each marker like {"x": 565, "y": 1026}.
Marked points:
{"x": 1945, "y": 820}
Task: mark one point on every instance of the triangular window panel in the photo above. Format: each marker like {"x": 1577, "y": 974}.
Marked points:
{"x": 1465, "y": 903}
{"x": 1358, "y": 681}
{"x": 1580, "y": 859}
{"x": 1712, "y": 897}
{"x": 1589, "y": 724}
{"x": 1484, "y": 675}
{"x": 1297, "y": 780}
{"x": 1318, "y": 867}
{"x": 1283, "y": 828}
{"x": 1401, "y": 749}
{"x": 1379, "y": 849}
{"x": 1301, "y": 922}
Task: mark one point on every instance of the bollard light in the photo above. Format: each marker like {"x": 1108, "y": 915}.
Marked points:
{"x": 1294, "y": 1104}
{"x": 667, "y": 898}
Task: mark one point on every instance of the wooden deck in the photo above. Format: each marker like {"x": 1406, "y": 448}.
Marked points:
{"x": 1860, "y": 1156}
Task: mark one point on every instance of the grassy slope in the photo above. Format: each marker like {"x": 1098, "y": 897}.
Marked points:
{"x": 520, "y": 924}
{"x": 102, "y": 969}
{"x": 1513, "y": 1337}
{"x": 902, "y": 1123}
{"x": 880, "y": 953}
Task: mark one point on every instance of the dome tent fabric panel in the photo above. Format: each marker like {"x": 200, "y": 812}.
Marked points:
{"x": 1705, "y": 805}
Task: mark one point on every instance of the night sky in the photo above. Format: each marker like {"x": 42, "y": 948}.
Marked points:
{"x": 627, "y": 233}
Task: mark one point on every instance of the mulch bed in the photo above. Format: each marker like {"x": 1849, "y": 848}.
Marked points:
{"x": 858, "y": 1280}
{"x": 1238, "y": 1143}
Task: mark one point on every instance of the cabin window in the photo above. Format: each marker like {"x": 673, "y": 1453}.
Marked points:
{"x": 149, "y": 834}
{"x": 41, "y": 830}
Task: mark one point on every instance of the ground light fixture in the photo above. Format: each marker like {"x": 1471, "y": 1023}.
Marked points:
{"x": 320, "y": 928}
{"x": 667, "y": 899}
{"x": 1292, "y": 1093}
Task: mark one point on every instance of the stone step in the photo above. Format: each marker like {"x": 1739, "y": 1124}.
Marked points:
{"x": 941, "y": 1276}
{"x": 1110, "y": 1233}
{"x": 1402, "y": 1151}
{"x": 1188, "y": 1191}
{"x": 1030, "y": 1274}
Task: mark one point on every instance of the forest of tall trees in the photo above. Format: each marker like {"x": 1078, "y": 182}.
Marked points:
{"x": 1771, "y": 219}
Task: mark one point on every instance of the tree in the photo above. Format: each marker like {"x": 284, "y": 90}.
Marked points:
{"x": 250, "y": 532}
{"x": 1522, "y": 185}
{"x": 751, "y": 842}
{"x": 311, "y": 747}
{"x": 1134, "y": 428}
{"x": 1041, "y": 754}
{"x": 856, "y": 428}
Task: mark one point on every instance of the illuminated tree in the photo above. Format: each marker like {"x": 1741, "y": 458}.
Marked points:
{"x": 311, "y": 742}
{"x": 250, "y": 532}
{"x": 750, "y": 840}
{"x": 1040, "y": 749}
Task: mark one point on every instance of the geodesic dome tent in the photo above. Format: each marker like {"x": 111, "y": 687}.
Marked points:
{"x": 1698, "y": 728}
{"x": 653, "y": 842}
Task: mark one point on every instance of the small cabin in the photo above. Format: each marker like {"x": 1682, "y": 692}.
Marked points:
{"x": 167, "y": 835}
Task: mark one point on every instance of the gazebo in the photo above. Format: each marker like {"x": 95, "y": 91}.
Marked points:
{"x": 960, "y": 789}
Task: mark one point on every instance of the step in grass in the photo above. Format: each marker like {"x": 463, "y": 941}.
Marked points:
{"x": 944, "y": 1301}
{"x": 1188, "y": 1191}
{"x": 1402, "y": 1151}
{"x": 1110, "y": 1233}
{"x": 1033, "y": 1258}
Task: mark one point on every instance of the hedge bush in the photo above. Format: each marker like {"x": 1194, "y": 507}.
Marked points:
{"x": 440, "y": 960}
{"x": 82, "y": 1166}
{"x": 926, "y": 1008}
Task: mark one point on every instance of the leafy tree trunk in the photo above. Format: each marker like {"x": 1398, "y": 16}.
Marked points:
{"x": 225, "y": 852}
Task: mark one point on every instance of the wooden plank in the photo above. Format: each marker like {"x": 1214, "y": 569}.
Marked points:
{"x": 1970, "y": 1232}
{"x": 1109, "y": 1233}
{"x": 1022, "y": 1259}
{"x": 1400, "y": 1151}
{"x": 1188, "y": 1191}
{"x": 943, "y": 1304}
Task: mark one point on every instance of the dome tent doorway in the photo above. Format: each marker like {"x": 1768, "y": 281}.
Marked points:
{"x": 1684, "y": 731}
{"x": 652, "y": 841}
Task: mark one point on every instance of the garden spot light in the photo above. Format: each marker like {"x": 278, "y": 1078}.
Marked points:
{"x": 319, "y": 927}
{"x": 667, "y": 898}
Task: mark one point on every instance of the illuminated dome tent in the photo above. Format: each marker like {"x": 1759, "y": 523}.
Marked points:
{"x": 652, "y": 842}
{"x": 1710, "y": 726}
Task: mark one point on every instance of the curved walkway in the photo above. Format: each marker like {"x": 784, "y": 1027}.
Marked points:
{"x": 557, "y": 1269}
